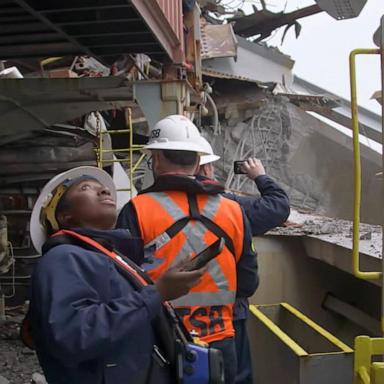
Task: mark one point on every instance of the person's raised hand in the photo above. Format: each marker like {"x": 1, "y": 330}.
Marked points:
{"x": 253, "y": 168}
{"x": 175, "y": 282}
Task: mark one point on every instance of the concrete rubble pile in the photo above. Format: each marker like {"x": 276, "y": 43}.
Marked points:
{"x": 18, "y": 364}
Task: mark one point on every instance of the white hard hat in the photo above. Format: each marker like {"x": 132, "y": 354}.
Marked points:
{"x": 211, "y": 157}
{"x": 37, "y": 227}
{"x": 175, "y": 132}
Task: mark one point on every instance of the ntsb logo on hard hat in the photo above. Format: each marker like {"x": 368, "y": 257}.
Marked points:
{"x": 177, "y": 133}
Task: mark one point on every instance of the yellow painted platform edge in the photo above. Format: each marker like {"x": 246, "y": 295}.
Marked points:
{"x": 278, "y": 332}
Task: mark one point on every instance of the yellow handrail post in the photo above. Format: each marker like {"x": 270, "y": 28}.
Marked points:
{"x": 382, "y": 159}
{"x": 362, "y": 360}
{"x": 365, "y": 371}
{"x": 377, "y": 373}
{"x": 357, "y": 167}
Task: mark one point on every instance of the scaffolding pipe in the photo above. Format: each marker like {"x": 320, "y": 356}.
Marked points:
{"x": 130, "y": 150}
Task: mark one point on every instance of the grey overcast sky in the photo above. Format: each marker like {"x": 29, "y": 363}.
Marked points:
{"x": 322, "y": 49}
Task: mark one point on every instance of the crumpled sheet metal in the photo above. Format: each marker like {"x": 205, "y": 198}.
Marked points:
{"x": 254, "y": 63}
{"x": 377, "y": 96}
{"x": 324, "y": 100}
{"x": 222, "y": 75}
{"x": 217, "y": 41}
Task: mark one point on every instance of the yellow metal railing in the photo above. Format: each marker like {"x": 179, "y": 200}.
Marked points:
{"x": 296, "y": 348}
{"x": 132, "y": 167}
{"x": 366, "y": 371}
{"x": 357, "y": 167}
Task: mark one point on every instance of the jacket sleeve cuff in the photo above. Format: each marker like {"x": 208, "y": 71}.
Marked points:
{"x": 260, "y": 180}
{"x": 152, "y": 300}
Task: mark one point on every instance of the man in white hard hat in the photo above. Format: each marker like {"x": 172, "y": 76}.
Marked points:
{"x": 268, "y": 211}
{"x": 90, "y": 322}
{"x": 178, "y": 216}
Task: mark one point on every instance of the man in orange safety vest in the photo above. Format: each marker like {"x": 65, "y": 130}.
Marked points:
{"x": 178, "y": 216}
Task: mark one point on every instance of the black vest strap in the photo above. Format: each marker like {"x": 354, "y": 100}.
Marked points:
{"x": 177, "y": 226}
{"x": 194, "y": 214}
{"x": 219, "y": 232}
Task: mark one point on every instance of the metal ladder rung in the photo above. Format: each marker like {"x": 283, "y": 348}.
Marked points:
{"x": 130, "y": 150}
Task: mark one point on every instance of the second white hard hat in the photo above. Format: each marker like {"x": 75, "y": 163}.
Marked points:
{"x": 210, "y": 157}
{"x": 175, "y": 132}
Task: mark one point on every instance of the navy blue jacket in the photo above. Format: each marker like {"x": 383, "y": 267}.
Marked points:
{"x": 265, "y": 212}
{"x": 90, "y": 325}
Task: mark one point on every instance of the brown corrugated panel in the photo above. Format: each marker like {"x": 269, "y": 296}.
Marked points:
{"x": 173, "y": 12}
{"x": 217, "y": 40}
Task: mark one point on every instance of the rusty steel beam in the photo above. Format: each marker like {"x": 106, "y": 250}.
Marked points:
{"x": 166, "y": 27}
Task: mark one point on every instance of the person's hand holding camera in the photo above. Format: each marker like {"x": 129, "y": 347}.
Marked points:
{"x": 253, "y": 167}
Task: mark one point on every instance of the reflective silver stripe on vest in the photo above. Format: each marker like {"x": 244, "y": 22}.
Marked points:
{"x": 211, "y": 206}
{"x": 173, "y": 210}
{"x": 177, "y": 213}
{"x": 194, "y": 233}
{"x": 205, "y": 299}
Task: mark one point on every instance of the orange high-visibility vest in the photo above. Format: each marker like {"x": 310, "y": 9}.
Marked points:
{"x": 207, "y": 308}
